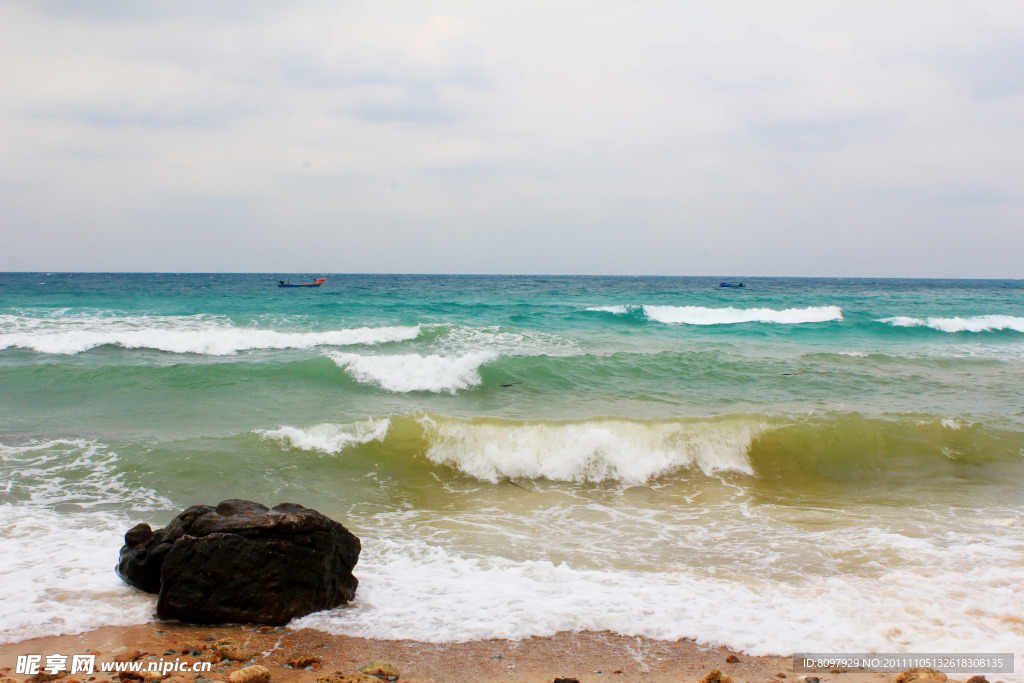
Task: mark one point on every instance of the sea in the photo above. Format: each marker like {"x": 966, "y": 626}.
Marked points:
{"x": 797, "y": 465}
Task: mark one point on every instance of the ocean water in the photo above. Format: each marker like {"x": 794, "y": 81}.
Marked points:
{"x": 797, "y": 465}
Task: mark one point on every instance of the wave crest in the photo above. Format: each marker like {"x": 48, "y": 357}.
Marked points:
{"x": 979, "y": 323}
{"x": 701, "y": 315}
{"x": 199, "y": 334}
{"x": 330, "y": 438}
{"x": 412, "y": 372}
{"x": 592, "y": 451}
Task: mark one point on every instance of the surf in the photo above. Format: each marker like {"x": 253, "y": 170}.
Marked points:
{"x": 702, "y": 315}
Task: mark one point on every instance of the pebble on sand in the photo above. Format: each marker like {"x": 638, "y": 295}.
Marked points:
{"x": 228, "y": 648}
{"x": 382, "y": 670}
{"x": 920, "y": 673}
{"x": 715, "y": 676}
{"x": 250, "y": 674}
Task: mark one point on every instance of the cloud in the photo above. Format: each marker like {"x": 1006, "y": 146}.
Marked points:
{"x": 535, "y": 137}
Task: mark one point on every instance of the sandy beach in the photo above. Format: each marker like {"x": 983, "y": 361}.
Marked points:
{"x": 303, "y": 656}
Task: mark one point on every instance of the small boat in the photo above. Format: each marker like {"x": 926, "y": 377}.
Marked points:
{"x": 730, "y": 284}
{"x": 315, "y": 283}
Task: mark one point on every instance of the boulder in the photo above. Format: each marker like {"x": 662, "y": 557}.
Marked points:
{"x": 242, "y": 562}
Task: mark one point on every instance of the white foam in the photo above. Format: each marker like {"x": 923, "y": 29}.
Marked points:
{"x": 414, "y": 372}
{"x": 460, "y": 340}
{"x": 58, "y": 576}
{"x": 71, "y": 472}
{"x": 605, "y": 450}
{"x": 330, "y": 438}
{"x": 57, "y": 572}
{"x": 200, "y": 334}
{"x": 407, "y": 591}
{"x": 980, "y": 323}
{"x": 699, "y": 315}
{"x": 617, "y": 310}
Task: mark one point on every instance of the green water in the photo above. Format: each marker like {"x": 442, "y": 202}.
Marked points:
{"x": 527, "y": 454}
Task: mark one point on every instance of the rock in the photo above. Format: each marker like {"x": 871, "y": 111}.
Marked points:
{"x": 131, "y": 656}
{"x": 919, "y": 673}
{"x": 241, "y": 562}
{"x": 228, "y": 648}
{"x": 715, "y": 676}
{"x": 972, "y": 679}
{"x": 382, "y": 670}
{"x": 732, "y": 659}
{"x": 348, "y": 678}
{"x": 250, "y": 674}
{"x": 567, "y": 680}
{"x": 302, "y": 661}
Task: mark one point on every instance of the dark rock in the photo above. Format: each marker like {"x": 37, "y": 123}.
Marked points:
{"x": 242, "y": 562}
{"x": 567, "y": 680}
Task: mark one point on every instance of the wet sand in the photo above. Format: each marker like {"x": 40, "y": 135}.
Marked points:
{"x": 302, "y": 656}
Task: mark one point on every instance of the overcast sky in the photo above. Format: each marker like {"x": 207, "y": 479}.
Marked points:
{"x": 818, "y": 138}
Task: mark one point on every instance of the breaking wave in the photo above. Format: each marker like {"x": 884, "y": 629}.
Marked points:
{"x": 330, "y": 438}
{"x": 413, "y": 372}
{"x": 846, "y": 447}
{"x": 597, "y": 450}
{"x": 198, "y": 334}
{"x": 700, "y": 315}
{"x": 980, "y": 323}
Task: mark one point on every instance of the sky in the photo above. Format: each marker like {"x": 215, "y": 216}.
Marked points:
{"x": 862, "y": 138}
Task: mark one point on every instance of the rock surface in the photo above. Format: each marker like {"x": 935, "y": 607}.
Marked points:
{"x": 242, "y": 562}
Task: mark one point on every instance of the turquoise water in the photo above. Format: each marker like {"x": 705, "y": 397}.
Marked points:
{"x": 521, "y": 455}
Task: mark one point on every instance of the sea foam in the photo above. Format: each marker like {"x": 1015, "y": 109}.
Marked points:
{"x": 77, "y": 545}
{"x": 58, "y": 575}
{"x": 406, "y": 591}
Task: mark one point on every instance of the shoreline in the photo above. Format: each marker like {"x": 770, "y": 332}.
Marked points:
{"x": 590, "y": 657}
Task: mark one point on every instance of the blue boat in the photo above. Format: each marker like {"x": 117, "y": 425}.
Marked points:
{"x": 730, "y": 284}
